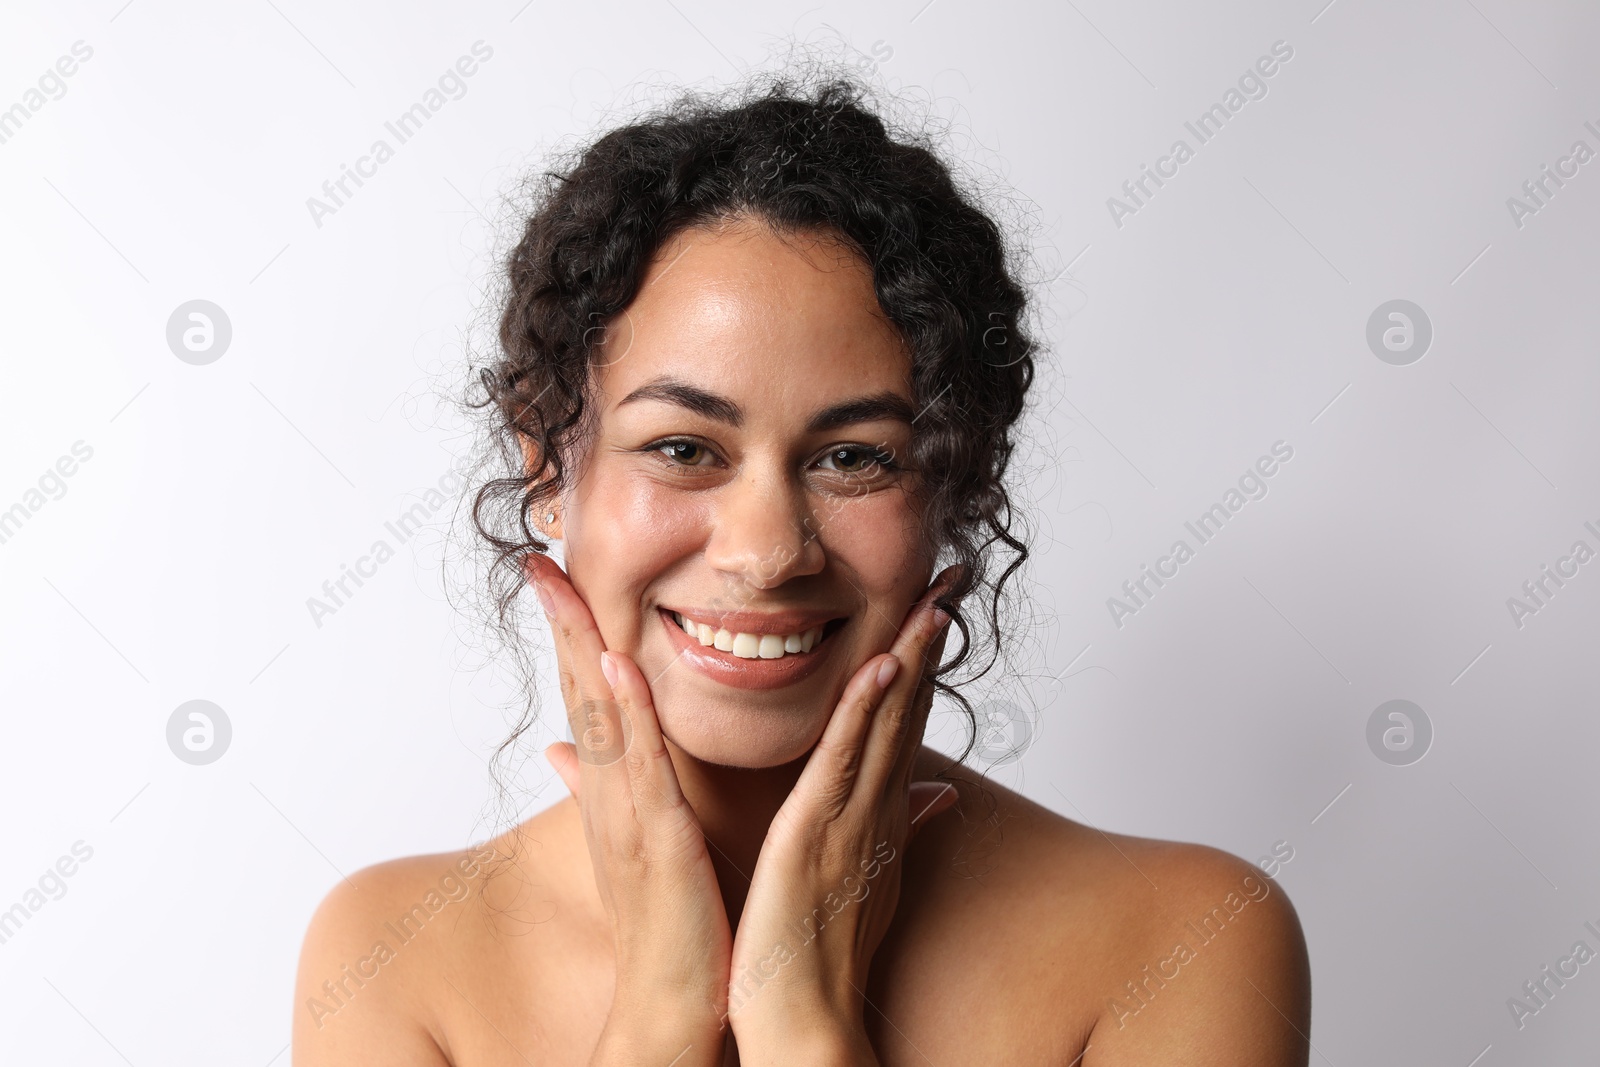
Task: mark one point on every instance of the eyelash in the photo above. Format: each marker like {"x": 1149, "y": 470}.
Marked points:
{"x": 877, "y": 457}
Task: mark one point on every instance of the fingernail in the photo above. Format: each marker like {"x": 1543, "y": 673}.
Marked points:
{"x": 544, "y": 598}
{"x": 886, "y": 672}
{"x": 608, "y": 668}
{"x": 922, "y": 816}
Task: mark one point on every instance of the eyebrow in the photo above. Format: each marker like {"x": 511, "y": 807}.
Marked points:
{"x": 870, "y": 408}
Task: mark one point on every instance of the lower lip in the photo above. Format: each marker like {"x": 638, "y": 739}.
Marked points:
{"x": 729, "y": 669}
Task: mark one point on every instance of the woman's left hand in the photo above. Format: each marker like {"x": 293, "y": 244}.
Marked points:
{"x": 828, "y": 876}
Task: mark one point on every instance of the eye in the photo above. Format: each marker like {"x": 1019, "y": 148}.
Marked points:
{"x": 854, "y": 459}
{"x": 685, "y": 453}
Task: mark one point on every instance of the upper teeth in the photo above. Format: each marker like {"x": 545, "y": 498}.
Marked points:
{"x": 750, "y": 646}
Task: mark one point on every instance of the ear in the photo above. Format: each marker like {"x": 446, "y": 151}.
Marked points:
{"x": 548, "y": 519}
{"x": 530, "y": 455}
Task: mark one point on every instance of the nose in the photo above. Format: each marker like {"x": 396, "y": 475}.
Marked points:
{"x": 760, "y": 532}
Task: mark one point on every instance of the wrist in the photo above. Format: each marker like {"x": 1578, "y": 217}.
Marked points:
{"x": 767, "y": 1042}
{"x": 680, "y": 1030}
{"x": 617, "y": 1049}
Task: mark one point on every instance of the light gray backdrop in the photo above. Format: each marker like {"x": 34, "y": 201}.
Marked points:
{"x": 172, "y": 503}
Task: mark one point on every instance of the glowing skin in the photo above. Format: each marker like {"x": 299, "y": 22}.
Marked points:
{"x": 622, "y": 949}
{"x": 721, "y": 521}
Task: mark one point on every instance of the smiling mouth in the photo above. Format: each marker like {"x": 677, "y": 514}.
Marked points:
{"x": 754, "y": 646}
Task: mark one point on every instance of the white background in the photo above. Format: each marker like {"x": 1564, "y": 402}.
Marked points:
{"x": 1228, "y": 313}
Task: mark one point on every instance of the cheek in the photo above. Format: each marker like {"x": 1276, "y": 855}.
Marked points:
{"x": 878, "y": 541}
{"x": 619, "y": 535}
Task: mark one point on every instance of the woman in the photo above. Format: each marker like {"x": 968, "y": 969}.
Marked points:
{"x": 762, "y": 362}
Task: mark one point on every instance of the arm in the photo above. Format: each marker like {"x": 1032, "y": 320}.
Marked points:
{"x": 652, "y": 868}
{"x": 827, "y": 882}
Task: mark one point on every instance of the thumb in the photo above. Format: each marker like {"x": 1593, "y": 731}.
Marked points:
{"x": 563, "y": 757}
{"x": 929, "y": 799}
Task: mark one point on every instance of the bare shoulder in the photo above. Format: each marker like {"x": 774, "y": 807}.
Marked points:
{"x": 1212, "y": 967}
{"x": 360, "y": 990}
{"x": 381, "y": 946}
{"x": 446, "y": 959}
{"x": 1148, "y": 950}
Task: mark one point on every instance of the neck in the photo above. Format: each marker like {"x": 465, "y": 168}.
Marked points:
{"x": 735, "y": 806}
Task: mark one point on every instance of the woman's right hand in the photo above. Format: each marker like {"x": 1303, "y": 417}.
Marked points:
{"x": 669, "y": 927}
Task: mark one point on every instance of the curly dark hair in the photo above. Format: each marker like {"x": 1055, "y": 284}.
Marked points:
{"x": 801, "y": 159}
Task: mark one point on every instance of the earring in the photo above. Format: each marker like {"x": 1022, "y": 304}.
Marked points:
{"x": 549, "y": 518}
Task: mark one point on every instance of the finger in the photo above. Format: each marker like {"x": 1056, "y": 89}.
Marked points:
{"x": 839, "y": 759}
{"x": 648, "y": 763}
{"x": 928, "y": 800}
{"x": 836, "y": 769}
{"x": 592, "y": 715}
{"x": 921, "y": 703}
{"x": 563, "y": 758}
{"x": 895, "y": 731}
{"x": 829, "y": 777}
{"x": 924, "y": 624}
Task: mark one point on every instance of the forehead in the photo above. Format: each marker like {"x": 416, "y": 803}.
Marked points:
{"x": 787, "y": 322}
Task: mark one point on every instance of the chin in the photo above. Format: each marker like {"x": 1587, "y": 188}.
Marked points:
{"x": 731, "y": 734}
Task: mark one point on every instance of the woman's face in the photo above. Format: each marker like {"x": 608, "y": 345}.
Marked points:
{"x": 753, "y": 408}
